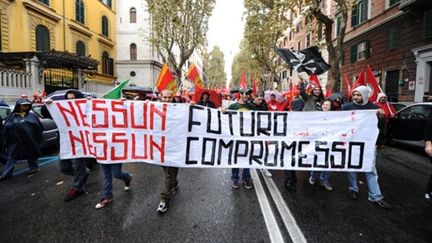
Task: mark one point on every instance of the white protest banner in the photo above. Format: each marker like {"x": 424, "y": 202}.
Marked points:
{"x": 183, "y": 135}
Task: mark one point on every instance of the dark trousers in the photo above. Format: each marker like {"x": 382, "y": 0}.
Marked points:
{"x": 290, "y": 176}
{"x": 77, "y": 169}
{"x": 170, "y": 183}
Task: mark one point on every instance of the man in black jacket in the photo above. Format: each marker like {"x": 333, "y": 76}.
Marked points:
{"x": 428, "y": 150}
{"x": 23, "y": 133}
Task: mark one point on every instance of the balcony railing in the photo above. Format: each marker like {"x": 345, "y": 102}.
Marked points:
{"x": 15, "y": 79}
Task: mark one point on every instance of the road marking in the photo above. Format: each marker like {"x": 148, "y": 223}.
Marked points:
{"x": 46, "y": 161}
{"x": 269, "y": 218}
{"x": 287, "y": 217}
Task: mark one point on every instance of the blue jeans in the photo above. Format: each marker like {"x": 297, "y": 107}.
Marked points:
{"x": 110, "y": 170}
{"x": 235, "y": 174}
{"x": 323, "y": 175}
{"x": 10, "y": 165}
{"x": 372, "y": 183}
{"x": 76, "y": 168}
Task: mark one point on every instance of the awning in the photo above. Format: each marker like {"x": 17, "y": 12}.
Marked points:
{"x": 50, "y": 59}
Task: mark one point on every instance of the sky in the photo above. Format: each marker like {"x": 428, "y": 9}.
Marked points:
{"x": 226, "y": 29}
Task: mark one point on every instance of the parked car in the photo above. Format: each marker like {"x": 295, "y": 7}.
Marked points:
{"x": 60, "y": 94}
{"x": 5, "y": 110}
{"x": 407, "y": 127}
{"x": 398, "y": 106}
{"x": 132, "y": 91}
{"x": 49, "y": 128}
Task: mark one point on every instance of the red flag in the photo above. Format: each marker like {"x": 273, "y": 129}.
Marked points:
{"x": 373, "y": 84}
{"x": 243, "y": 84}
{"x": 348, "y": 87}
{"x": 328, "y": 92}
{"x": 313, "y": 82}
{"x": 166, "y": 80}
{"x": 193, "y": 75}
{"x": 360, "y": 80}
{"x": 224, "y": 89}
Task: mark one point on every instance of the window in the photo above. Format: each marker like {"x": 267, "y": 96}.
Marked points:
{"x": 299, "y": 45}
{"x": 359, "y": 13}
{"x": 105, "y": 26}
{"x": 45, "y": 2}
{"x": 291, "y": 34}
{"x": 428, "y": 24}
{"x": 308, "y": 40}
{"x": 360, "y": 51}
{"x": 107, "y": 64}
{"x": 133, "y": 52}
{"x": 395, "y": 37}
{"x": 391, "y": 3}
{"x": 107, "y": 2}
{"x": 42, "y": 38}
{"x": 79, "y": 11}
{"x": 338, "y": 24}
{"x": 80, "y": 48}
{"x": 132, "y": 15}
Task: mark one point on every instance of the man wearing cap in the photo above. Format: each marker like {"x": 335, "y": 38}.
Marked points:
{"x": 23, "y": 133}
{"x": 360, "y": 101}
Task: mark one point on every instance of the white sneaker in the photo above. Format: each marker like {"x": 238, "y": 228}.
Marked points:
{"x": 266, "y": 172}
{"x": 312, "y": 180}
{"x": 163, "y": 207}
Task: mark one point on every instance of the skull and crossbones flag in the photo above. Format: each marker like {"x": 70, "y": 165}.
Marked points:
{"x": 308, "y": 60}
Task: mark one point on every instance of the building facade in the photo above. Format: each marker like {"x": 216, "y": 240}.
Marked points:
{"x": 393, "y": 37}
{"x": 71, "y": 30}
{"x": 137, "y": 59}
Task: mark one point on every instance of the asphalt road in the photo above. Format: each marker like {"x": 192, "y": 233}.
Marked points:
{"x": 206, "y": 209}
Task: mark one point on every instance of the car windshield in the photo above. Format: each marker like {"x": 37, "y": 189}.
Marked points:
{"x": 4, "y": 112}
{"x": 416, "y": 112}
{"x": 38, "y": 110}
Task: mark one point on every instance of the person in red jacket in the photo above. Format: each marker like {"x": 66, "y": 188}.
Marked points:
{"x": 273, "y": 104}
{"x": 388, "y": 108}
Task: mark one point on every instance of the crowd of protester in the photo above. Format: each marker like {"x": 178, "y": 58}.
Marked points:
{"x": 22, "y": 133}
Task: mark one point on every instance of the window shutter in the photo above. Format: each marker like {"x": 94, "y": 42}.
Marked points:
{"x": 367, "y": 49}
{"x": 110, "y": 66}
{"x": 353, "y": 53}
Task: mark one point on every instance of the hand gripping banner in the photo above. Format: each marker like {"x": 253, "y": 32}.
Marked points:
{"x": 182, "y": 135}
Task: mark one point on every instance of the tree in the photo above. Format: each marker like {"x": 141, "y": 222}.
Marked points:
{"x": 215, "y": 71}
{"x": 244, "y": 61}
{"x": 179, "y": 27}
{"x": 265, "y": 24}
{"x": 312, "y": 9}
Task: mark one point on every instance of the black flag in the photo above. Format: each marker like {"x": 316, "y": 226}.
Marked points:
{"x": 308, "y": 60}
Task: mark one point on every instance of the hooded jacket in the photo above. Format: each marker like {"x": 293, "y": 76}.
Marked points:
{"x": 365, "y": 105}
{"x": 388, "y": 108}
{"x": 23, "y": 133}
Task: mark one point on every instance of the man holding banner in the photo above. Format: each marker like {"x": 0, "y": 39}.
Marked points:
{"x": 241, "y": 105}
{"x": 360, "y": 102}
{"x": 170, "y": 173}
